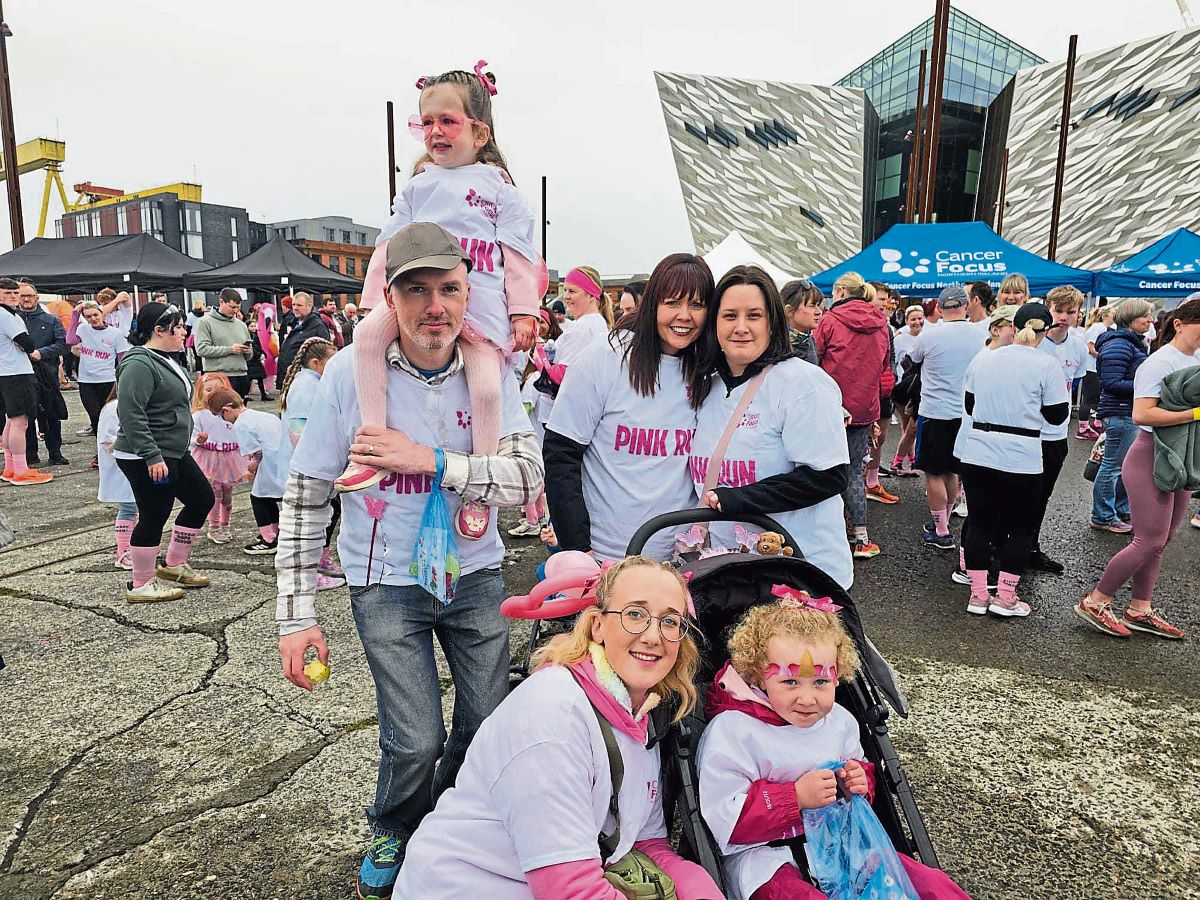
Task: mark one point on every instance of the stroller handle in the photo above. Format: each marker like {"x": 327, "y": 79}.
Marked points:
{"x": 700, "y": 514}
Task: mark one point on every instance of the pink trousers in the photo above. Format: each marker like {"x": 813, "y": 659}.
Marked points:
{"x": 931, "y": 884}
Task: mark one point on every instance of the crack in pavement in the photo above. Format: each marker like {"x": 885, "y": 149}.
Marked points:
{"x": 214, "y": 631}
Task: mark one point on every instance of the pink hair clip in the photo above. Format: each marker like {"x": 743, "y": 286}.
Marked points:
{"x": 793, "y": 599}
{"x": 421, "y": 82}
{"x": 483, "y": 79}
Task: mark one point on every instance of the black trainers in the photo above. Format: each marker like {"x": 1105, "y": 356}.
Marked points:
{"x": 1040, "y": 562}
{"x": 58, "y": 460}
{"x": 261, "y": 548}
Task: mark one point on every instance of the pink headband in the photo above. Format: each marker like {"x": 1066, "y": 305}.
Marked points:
{"x": 794, "y": 599}
{"x": 578, "y": 278}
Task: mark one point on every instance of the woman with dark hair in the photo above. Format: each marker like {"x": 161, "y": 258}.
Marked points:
{"x": 804, "y": 304}
{"x": 154, "y": 399}
{"x": 787, "y": 455}
{"x": 1157, "y": 514}
{"x": 631, "y": 296}
{"x": 617, "y": 443}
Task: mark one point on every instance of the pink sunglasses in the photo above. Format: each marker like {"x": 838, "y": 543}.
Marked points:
{"x": 421, "y": 127}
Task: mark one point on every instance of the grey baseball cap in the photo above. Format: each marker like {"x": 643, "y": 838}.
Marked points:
{"x": 423, "y": 245}
{"x": 953, "y": 297}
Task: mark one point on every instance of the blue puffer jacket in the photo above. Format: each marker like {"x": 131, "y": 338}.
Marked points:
{"x": 1119, "y": 352}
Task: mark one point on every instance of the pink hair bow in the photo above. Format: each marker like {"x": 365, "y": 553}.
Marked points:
{"x": 691, "y": 607}
{"x": 483, "y": 79}
{"x": 794, "y": 599}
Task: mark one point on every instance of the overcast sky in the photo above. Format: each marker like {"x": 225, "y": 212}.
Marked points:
{"x": 278, "y": 105}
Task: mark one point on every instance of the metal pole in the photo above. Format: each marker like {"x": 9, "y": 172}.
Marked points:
{"x": 1003, "y": 191}
{"x": 941, "y": 27}
{"x": 914, "y": 156}
{"x": 391, "y": 134}
{"x": 12, "y": 180}
{"x": 545, "y": 220}
{"x": 1060, "y": 169}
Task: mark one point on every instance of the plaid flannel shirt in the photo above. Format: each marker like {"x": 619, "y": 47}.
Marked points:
{"x": 512, "y": 476}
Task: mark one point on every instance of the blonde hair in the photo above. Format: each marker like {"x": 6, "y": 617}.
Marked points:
{"x": 604, "y": 302}
{"x": 1096, "y": 314}
{"x": 1065, "y": 298}
{"x": 869, "y": 292}
{"x": 1031, "y": 333}
{"x": 852, "y": 283}
{"x": 198, "y": 398}
{"x": 569, "y": 648}
{"x": 749, "y": 639}
{"x": 1014, "y": 282}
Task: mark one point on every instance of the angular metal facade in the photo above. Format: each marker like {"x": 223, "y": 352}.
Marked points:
{"x": 1133, "y": 162}
{"x": 783, "y": 164}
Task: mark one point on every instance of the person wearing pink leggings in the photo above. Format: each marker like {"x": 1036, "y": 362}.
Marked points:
{"x": 1156, "y": 514}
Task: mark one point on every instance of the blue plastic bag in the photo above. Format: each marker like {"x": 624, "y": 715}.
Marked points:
{"x": 435, "y": 563}
{"x": 850, "y": 856}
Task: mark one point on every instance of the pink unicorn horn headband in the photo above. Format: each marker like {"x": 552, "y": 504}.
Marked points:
{"x": 580, "y": 279}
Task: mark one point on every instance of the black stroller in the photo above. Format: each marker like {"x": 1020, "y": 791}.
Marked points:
{"x": 723, "y": 588}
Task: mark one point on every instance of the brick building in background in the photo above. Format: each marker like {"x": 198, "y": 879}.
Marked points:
{"x": 335, "y": 242}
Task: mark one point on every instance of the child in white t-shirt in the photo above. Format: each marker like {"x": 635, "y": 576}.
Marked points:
{"x": 773, "y": 727}
{"x": 462, "y": 185}
{"x": 215, "y": 450}
{"x": 114, "y": 486}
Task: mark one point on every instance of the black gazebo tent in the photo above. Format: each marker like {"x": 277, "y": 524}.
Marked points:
{"x": 84, "y": 265}
{"x": 278, "y": 268}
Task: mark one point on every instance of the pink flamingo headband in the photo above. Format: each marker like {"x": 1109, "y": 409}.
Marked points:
{"x": 479, "y": 73}
{"x": 580, "y": 279}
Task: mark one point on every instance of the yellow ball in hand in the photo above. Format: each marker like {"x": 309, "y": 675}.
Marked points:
{"x": 316, "y": 672}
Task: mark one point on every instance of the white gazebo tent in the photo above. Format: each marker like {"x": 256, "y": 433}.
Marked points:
{"x": 735, "y": 250}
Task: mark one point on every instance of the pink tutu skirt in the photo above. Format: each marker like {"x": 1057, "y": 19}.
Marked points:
{"x": 221, "y": 466}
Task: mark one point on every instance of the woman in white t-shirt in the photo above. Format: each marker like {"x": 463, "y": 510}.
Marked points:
{"x": 1156, "y": 515}
{"x": 788, "y": 456}
{"x": 99, "y": 346}
{"x": 914, "y": 323}
{"x": 591, "y": 310}
{"x": 1098, "y": 322}
{"x": 1010, "y": 393}
{"x": 617, "y": 446}
{"x": 530, "y": 806}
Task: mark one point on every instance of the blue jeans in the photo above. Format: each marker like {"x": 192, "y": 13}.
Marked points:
{"x": 397, "y": 625}
{"x": 1110, "y": 503}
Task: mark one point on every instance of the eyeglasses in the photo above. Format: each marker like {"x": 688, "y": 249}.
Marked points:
{"x": 421, "y": 127}
{"x": 636, "y": 620}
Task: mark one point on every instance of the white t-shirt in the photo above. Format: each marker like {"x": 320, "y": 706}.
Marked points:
{"x": 1011, "y": 385}
{"x": 570, "y": 347}
{"x": 221, "y": 436}
{"x": 13, "y": 360}
{"x": 533, "y": 792}
{"x": 257, "y": 431}
{"x": 531, "y": 397}
{"x": 945, "y": 354}
{"x": 904, "y": 341}
{"x": 98, "y": 349}
{"x": 735, "y": 751}
{"x": 635, "y": 466}
{"x": 476, "y": 205}
{"x": 794, "y": 419}
{"x": 1148, "y": 379}
{"x": 1072, "y": 356}
{"x": 1089, "y": 337}
{"x": 301, "y": 395}
{"x": 435, "y": 415}
{"x": 120, "y": 318}
{"x": 114, "y": 486}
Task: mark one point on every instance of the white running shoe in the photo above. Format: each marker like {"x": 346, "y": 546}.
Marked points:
{"x": 525, "y": 529}
{"x": 153, "y": 591}
{"x": 960, "y": 508}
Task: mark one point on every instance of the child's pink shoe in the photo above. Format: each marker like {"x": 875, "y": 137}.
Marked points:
{"x": 358, "y": 478}
{"x": 472, "y": 521}
{"x": 124, "y": 561}
{"x": 327, "y": 566}
{"x": 329, "y": 583}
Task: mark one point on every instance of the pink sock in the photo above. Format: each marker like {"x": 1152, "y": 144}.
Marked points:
{"x": 873, "y": 477}
{"x": 181, "y": 544}
{"x": 124, "y": 529}
{"x": 941, "y": 521}
{"x": 1006, "y": 587}
{"x": 270, "y": 532}
{"x": 326, "y": 555}
{"x": 144, "y": 560}
{"x": 962, "y": 558}
{"x": 17, "y": 463}
{"x": 978, "y": 578}
{"x": 214, "y": 516}
{"x": 226, "y": 507}
{"x": 898, "y": 461}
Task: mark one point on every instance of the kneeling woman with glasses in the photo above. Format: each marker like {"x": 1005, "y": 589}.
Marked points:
{"x": 529, "y": 815}
{"x": 154, "y": 408}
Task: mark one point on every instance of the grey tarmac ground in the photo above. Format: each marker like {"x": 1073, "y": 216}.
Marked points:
{"x": 156, "y": 751}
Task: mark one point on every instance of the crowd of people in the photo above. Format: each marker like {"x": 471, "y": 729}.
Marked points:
{"x": 464, "y": 389}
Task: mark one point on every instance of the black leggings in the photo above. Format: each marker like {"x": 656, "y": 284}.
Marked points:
{"x": 93, "y": 397}
{"x": 1054, "y": 454}
{"x": 1004, "y": 516}
{"x": 1089, "y": 396}
{"x": 266, "y": 510}
{"x": 154, "y": 501}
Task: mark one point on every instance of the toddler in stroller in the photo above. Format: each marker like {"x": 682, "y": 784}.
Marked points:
{"x": 773, "y": 726}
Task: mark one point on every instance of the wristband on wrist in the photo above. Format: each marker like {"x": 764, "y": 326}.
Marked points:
{"x": 1196, "y": 413}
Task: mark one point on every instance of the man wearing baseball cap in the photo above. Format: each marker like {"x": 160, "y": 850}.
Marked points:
{"x": 944, "y": 353}
{"x": 429, "y": 411}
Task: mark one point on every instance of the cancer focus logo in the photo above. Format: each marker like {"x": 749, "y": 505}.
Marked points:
{"x": 892, "y": 262}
